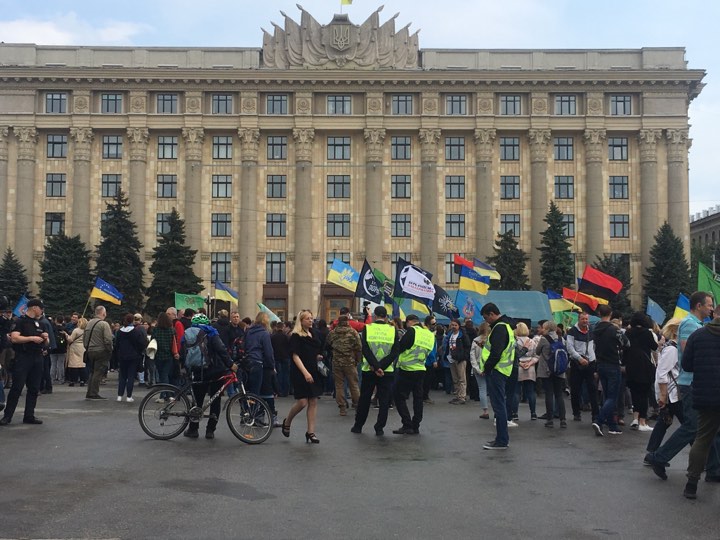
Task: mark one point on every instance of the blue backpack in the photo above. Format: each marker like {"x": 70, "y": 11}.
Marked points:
{"x": 195, "y": 349}
{"x": 559, "y": 359}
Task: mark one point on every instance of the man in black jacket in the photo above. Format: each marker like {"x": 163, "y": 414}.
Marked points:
{"x": 581, "y": 350}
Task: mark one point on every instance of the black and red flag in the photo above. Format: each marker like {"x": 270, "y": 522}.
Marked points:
{"x": 598, "y": 284}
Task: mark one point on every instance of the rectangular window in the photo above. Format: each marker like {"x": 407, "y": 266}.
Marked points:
{"x": 509, "y": 187}
{"x": 220, "y": 267}
{"x": 564, "y": 150}
{"x": 619, "y": 187}
{"x": 111, "y": 103}
{"x": 221, "y": 186}
{"x": 454, "y": 187}
{"x": 619, "y": 226}
{"x": 276, "y": 186}
{"x": 275, "y": 267}
{"x": 56, "y": 102}
{"x": 276, "y": 225}
{"x": 162, "y": 224}
{"x": 167, "y": 147}
{"x": 566, "y": 105}
{"x": 55, "y": 185}
{"x": 54, "y": 224}
{"x": 339, "y": 105}
{"x": 617, "y": 148}
{"x": 330, "y": 256}
{"x": 222, "y": 147}
{"x": 338, "y": 147}
{"x": 400, "y": 225}
{"x": 57, "y": 146}
{"x": 394, "y": 258}
{"x": 220, "y": 225}
{"x": 277, "y": 104}
{"x": 510, "y": 222}
{"x": 456, "y": 105}
{"x": 112, "y": 146}
{"x": 402, "y": 105}
{"x": 222, "y": 104}
{"x": 338, "y": 225}
{"x": 166, "y": 186}
{"x": 509, "y": 148}
{"x": 400, "y": 186}
{"x": 167, "y": 103}
{"x": 399, "y": 147}
{"x": 450, "y": 276}
{"x": 277, "y": 147}
{"x": 564, "y": 187}
{"x": 569, "y": 225}
{"x": 338, "y": 186}
{"x": 620, "y": 105}
{"x": 110, "y": 185}
{"x": 455, "y": 148}
{"x": 510, "y": 105}
{"x": 455, "y": 225}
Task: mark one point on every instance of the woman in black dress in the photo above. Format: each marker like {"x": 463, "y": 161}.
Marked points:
{"x": 305, "y": 349}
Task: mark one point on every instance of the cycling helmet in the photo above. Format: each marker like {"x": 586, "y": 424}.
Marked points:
{"x": 200, "y": 318}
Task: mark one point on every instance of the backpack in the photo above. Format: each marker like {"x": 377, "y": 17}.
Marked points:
{"x": 195, "y": 349}
{"x": 559, "y": 359}
{"x": 238, "y": 354}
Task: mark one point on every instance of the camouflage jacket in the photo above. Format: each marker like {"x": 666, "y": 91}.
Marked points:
{"x": 345, "y": 344}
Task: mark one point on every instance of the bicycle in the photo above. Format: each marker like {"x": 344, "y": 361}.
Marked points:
{"x": 166, "y": 410}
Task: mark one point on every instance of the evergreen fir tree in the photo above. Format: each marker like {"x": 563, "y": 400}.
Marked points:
{"x": 557, "y": 265}
{"x": 702, "y": 254}
{"x": 65, "y": 275}
{"x": 509, "y": 260}
{"x": 669, "y": 271}
{"x": 172, "y": 268}
{"x": 118, "y": 258}
{"x": 618, "y": 267}
{"x": 13, "y": 278}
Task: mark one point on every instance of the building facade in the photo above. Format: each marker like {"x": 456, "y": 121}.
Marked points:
{"x": 705, "y": 227}
{"x": 344, "y": 141}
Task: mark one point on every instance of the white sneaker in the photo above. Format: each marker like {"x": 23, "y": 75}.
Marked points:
{"x": 634, "y": 424}
{"x": 119, "y": 398}
{"x": 159, "y": 400}
{"x": 129, "y": 400}
{"x": 644, "y": 427}
{"x": 512, "y": 424}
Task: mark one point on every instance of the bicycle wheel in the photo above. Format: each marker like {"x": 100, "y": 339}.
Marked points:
{"x": 164, "y": 412}
{"x": 249, "y": 418}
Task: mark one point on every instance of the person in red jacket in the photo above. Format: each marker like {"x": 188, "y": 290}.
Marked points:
{"x": 355, "y": 325}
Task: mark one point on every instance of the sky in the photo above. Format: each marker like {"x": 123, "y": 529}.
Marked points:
{"x": 468, "y": 24}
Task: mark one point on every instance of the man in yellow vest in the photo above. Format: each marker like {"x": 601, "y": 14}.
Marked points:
{"x": 496, "y": 364}
{"x": 414, "y": 350}
{"x": 377, "y": 339}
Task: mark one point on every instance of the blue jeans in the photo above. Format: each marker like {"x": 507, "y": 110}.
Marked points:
{"x": 610, "y": 378}
{"x": 482, "y": 390}
{"x": 511, "y": 402}
{"x": 283, "y": 375}
{"x": 528, "y": 388}
{"x": 496, "y": 382}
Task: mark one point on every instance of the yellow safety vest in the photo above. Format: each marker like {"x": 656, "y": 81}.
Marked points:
{"x": 414, "y": 358}
{"x": 380, "y": 338}
{"x": 505, "y": 365}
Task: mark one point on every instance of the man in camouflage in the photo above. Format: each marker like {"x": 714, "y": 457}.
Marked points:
{"x": 346, "y": 348}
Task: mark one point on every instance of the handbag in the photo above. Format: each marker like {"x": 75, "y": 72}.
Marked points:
{"x": 322, "y": 368}
{"x": 151, "y": 349}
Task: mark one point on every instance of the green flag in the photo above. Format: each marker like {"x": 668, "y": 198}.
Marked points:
{"x": 708, "y": 282}
{"x": 192, "y": 301}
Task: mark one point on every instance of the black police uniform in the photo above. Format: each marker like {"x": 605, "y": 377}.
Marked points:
{"x": 27, "y": 369}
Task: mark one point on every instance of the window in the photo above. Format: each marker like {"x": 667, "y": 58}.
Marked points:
{"x": 277, "y": 104}
{"x": 564, "y": 150}
{"x": 619, "y": 226}
{"x": 275, "y": 267}
{"x": 450, "y": 275}
{"x": 222, "y": 147}
{"x": 56, "y": 103}
{"x": 509, "y": 187}
{"x": 510, "y": 222}
{"x": 167, "y": 186}
{"x": 57, "y": 146}
{"x": 110, "y": 185}
{"x": 220, "y": 225}
{"x": 565, "y": 105}
{"x": 338, "y": 225}
{"x": 617, "y": 148}
{"x": 330, "y": 256}
{"x": 618, "y": 188}
{"x": 222, "y": 104}
{"x": 620, "y": 105}
{"x": 112, "y": 146}
{"x": 55, "y": 185}
{"x": 221, "y": 186}
{"x": 111, "y": 103}
{"x": 399, "y": 147}
{"x": 455, "y": 225}
{"x": 276, "y": 225}
{"x": 454, "y": 187}
{"x": 338, "y": 186}
{"x": 54, "y": 224}
{"x": 394, "y": 258}
{"x": 167, "y": 103}
{"x": 338, "y": 148}
{"x": 277, "y": 147}
{"x": 568, "y": 221}
{"x": 400, "y": 186}
{"x": 276, "y": 186}
{"x": 455, "y": 148}
{"x": 510, "y": 105}
{"x": 167, "y": 147}
{"x": 402, "y": 105}
{"x": 400, "y": 225}
{"x": 456, "y": 105}
{"x": 509, "y": 148}
{"x": 220, "y": 267}
{"x": 162, "y": 222}
{"x": 339, "y": 105}
{"x": 564, "y": 187}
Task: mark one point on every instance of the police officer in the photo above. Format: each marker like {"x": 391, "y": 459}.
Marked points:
{"x": 28, "y": 339}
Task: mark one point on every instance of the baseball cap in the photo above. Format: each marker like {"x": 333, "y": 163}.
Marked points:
{"x": 35, "y": 302}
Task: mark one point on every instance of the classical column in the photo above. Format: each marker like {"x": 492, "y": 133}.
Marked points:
{"x": 429, "y": 139}
{"x": 485, "y": 226}
{"x": 678, "y": 144}
{"x": 373, "y": 199}
{"x": 81, "y": 219}
{"x": 25, "y": 197}
{"x": 539, "y": 142}
{"x": 595, "y": 220}
{"x": 303, "y": 296}
{"x": 3, "y": 188}
{"x": 649, "y": 200}
{"x": 249, "y": 221}
{"x": 138, "y": 191}
{"x": 193, "y": 190}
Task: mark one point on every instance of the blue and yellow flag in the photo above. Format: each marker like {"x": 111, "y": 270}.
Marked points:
{"x": 469, "y": 305}
{"x": 223, "y": 292}
{"x": 343, "y": 275}
{"x": 682, "y": 309}
{"x": 559, "y": 304}
{"x": 104, "y": 291}
{"x": 345, "y": 2}
{"x": 484, "y": 269}
{"x": 470, "y": 280}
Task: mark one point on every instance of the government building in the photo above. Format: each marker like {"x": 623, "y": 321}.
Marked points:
{"x": 346, "y": 141}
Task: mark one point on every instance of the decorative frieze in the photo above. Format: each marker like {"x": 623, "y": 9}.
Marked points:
{"x": 594, "y": 145}
{"x": 249, "y": 143}
{"x": 648, "y": 139}
{"x": 194, "y": 138}
{"x": 678, "y": 144}
{"x": 27, "y": 140}
{"x": 484, "y": 144}
{"x": 138, "y": 102}
{"x": 193, "y": 102}
{"x": 82, "y": 143}
{"x": 374, "y": 139}
{"x": 594, "y": 103}
{"x": 138, "y": 139}
{"x": 81, "y": 102}
{"x": 429, "y": 139}
{"x": 304, "y": 138}
{"x": 539, "y": 144}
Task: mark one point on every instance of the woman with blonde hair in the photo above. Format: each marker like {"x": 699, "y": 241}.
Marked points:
{"x": 259, "y": 351}
{"x": 305, "y": 349}
{"x": 75, "y": 352}
{"x": 526, "y": 371}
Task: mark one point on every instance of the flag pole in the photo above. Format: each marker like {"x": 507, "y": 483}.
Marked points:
{"x": 86, "y": 306}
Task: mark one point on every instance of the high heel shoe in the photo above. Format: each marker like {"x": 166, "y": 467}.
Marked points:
{"x": 311, "y": 438}
{"x": 285, "y": 429}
